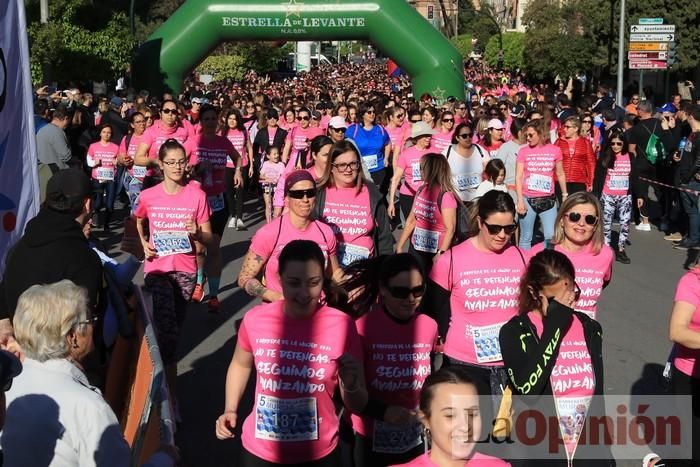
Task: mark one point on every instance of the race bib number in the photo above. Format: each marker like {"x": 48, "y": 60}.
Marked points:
{"x": 468, "y": 181}
{"x": 392, "y": 439}
{"x": 540, "y": 183}
{"x": 371, "y": 161}
{"x": 286, "y": 419}
{"x": 216, "y": 202}
{"x": 349, "y": 253}
{"x": 105, "y": 174}
{"x": 171, "y": 243}
{"x": 486, "y": 345}
{"x": 425, "y": 240}
{"x": 415, "y": 170}
{"x": 618, "y": 182}
{"x": 139, "y": 171}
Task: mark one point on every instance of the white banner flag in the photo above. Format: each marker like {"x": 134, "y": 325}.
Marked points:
{"x": 19, "y": 179}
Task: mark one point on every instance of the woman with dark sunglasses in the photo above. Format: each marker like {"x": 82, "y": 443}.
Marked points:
{"x": 554, "y": 357}
{"x": 591, "y": 132}
{"x": 353, "y": 208}
{"x": 473, "y": 291}
{"x": 298, "y": 139}
{"x": 374, "y": 144}
{"x": 467, "y": 162}
{"x": 391, "y": 288}
{"x": 578, "y": 233}
{"x": 443, "y": 136}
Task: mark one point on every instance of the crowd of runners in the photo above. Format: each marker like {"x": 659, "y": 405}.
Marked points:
{"x": 424, "y": 261}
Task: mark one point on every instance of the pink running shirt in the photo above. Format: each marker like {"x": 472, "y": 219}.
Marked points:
{"x": 617, "y": 180}
{"x": 239, "y": 140}
{"x": 107, "y": 155}
{"x": 409, "y": 161}
{"x": 539, "y": 167}
{"x": 477, "y": 460}
{"x": 688, "y": 290}
{"x": 440, "y": 141}
{"x": 350, "y": 216}
{"x": 137, "y": 171}
{"x": 157, "y": 134}
{"x": 214, "y": 150}
{"x": 430, "y": 230}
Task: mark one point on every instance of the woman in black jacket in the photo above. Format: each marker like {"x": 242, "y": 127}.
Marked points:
{"x": 553, "y": 356}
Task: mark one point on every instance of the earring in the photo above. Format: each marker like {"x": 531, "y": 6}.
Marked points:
{"x": 426, "y": 439}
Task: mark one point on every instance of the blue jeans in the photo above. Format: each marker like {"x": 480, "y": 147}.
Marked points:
{"x": 690, "y": 205}
{"x": 527, "y": 225}
{"x": 105, "y": 194}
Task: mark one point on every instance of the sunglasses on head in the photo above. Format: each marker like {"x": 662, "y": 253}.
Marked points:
{"x": 495, "y": 229}
{"x": 169, "y": 111}
{"x": 300, "y": 194}
{"x": 589, "y": 219}
{"x": 405, "y": 292}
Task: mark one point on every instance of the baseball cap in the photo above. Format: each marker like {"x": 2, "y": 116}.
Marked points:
{"x": 295, "y": 177}
{"x": 337, "y": 122}
{"x": 667, "y": 107}
{"x": 197, "y": 100}
{"x": 66, "y": 187}
{"x": 496, "y": 124}
{"x": 116, "y": 101}
{"x": 421, "y": 129}
{"x": 316, "y": 115}
{"x": 10, "y": 366}
{"x": 518, "y": 110}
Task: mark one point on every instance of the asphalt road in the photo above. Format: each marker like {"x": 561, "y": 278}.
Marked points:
{"x": 634, "y": 312}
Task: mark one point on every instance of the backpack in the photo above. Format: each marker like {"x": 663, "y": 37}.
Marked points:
{"x": 462, "y": 225}
{"x": 655, "y": 150}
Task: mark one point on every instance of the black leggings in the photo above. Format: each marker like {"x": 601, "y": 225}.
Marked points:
{"x": 250, "y": 460}
{"x": 685, "y": 385}
{"x": 234, "y": 195}
{"x": 406, "y": 202}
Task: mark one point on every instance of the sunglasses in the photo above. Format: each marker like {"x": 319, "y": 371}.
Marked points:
{"x": 300, "y": 194}
{"x": 169, "y": 111}
{"x": 464, "y": 135}
{"x": 587, "y": 121}
{"x": 371, "y": 112}
{"x": 338, "y": 130}
{"x": 495, "y": 229}
{"x": 462, "y": 108}
{"x": 343, "y": 166}
{"x": 616, "y": 143}
{"x": 404, "y": 292}
{"x": 448, "y": 120}
{"x": 304, "y": 117}
{"x": 574, "y": 217}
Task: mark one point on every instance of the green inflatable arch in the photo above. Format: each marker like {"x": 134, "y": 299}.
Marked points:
{"x": 393, "y": 26}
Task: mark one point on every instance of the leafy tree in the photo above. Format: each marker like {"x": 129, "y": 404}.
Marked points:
{"x": 463, "y": 43}
{"x": 476, "y": 22}
{"x": 223, "y": 67}
{"x": 513, "y": 50}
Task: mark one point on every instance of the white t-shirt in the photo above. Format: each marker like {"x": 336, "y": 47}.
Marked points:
{"x": 467, "y": 172}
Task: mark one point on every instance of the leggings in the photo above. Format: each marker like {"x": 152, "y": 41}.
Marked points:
{"x": 622, "y": 205}
{"x": 133, "y": 190}
{"x": 406, "y": 203}
{"x": 249, "y": 459}
{"x": 683, "y": 384}
{"x": 378, "y": 178}
{"x": 171, "y": 292}
{"x": 234, "y": 195}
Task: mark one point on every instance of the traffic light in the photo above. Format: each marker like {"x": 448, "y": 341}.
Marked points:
{"x": 671, "y": 54}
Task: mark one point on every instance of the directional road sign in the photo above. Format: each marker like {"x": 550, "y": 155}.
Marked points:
{"x": 648, "y": 46}
{"x": 647, "y": 64}
{"x": 651, "y": 21}
{"x": 657, "y": 28}
{"x": 647, "y": 55}
{"x": 651, "y": 37}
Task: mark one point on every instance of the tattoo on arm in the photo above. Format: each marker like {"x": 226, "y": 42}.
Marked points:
{"x": 255, "y": 288}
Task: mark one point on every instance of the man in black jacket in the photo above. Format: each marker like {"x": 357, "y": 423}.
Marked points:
{"x": 690, "y": 178}
{"x": 53, "y": 247}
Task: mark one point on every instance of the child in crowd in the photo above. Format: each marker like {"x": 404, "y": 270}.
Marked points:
{"x": 270, "y": 173}
{"x": 494, "y": 177}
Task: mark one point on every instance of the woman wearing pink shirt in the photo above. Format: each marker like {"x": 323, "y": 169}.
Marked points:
{"x": 395, "y": 118}
{"x": 554, "y": 354}
{"x": 234, "y": 130}
{"x": 303, "y": 353}
{"x": 290, "y": 120}
{"x": 430, "y": 116}
{"x": 388, "y": 432}
{"x": 432, "y": 222}
{"x": 296, "y": 224}
{"x": 453, "y": 422}
{"x": 443, "y": 137}
{"x": 298, "y": 139}
{"x": 353, "y": 208}
{"x": 102, "y": 158}
{"x": 408, "y": 167}
{"x": 133, "y": 180}
{"x": 535, "y": 168}
{"x": 177, "y": 214}
{"x": 684, "y": 331}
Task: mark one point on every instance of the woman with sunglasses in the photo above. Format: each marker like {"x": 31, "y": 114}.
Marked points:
{"x": 296, "y": 224}
{"x": 579, "y": 159}
{"x": 443, "y": 137}
{"x": 398, "y": 129}
{"x": 473, "y": 291}
{"x": 353, "y": 208}
{"x": 374, "y": 144}
{"x": 408, "y": 167}
{"x": 612, "y": 185}
{"x": 554, "y": 353}
{"x": 298, "y": 139}
{"x": 391, "y": 289}
{"x": 302, "y": 353}
{"x": 579, "y": 235}
{"x": 432, "y": 221}
{"x": 535, "y": 169}
{"x": 234, "y": 130}
{"x": 133, "y": 179}
{"x": 461, "y": 114}
{"x": 467, "y": 162}
{"x": 177, "y": 215}
{"x": 591, "y": 132}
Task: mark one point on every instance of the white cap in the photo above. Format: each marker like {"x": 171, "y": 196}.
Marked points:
{"x": 337, "y": 122}
{"x": 421, "y": 129}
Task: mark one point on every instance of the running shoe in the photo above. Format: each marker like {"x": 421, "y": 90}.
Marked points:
{"x": 643, "y": 227}
{"x": 686, "y": 245}
{"x": 232, "y": 223}
{"x": 240, "y": 225}
{"x": 674, "y": 237}
{"x": 621, "y": 257}
{"x": 198, "y": 294}
{"x": 213, "y": 305}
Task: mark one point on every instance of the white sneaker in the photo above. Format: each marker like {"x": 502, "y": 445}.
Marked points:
{"x": 240, "y": 225}
{"x": 232, "y": 223}
{"x": 643, "y": 227}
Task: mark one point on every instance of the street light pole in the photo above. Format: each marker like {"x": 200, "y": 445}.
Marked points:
{"x": 44, "y": 11}
{"x": 621, "y": 54}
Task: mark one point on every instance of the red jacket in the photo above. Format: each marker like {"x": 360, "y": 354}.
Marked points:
{"x": 579, "y": 166}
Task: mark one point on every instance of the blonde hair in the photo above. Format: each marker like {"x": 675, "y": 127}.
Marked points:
{"x": 45, "y": 315}
{"x": 572, "y": 201}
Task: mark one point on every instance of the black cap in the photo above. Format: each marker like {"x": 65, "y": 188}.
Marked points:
{"x": 67, "y": 187}
{"x": 272, "y": 113}
{"x": 10, "y": 366}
